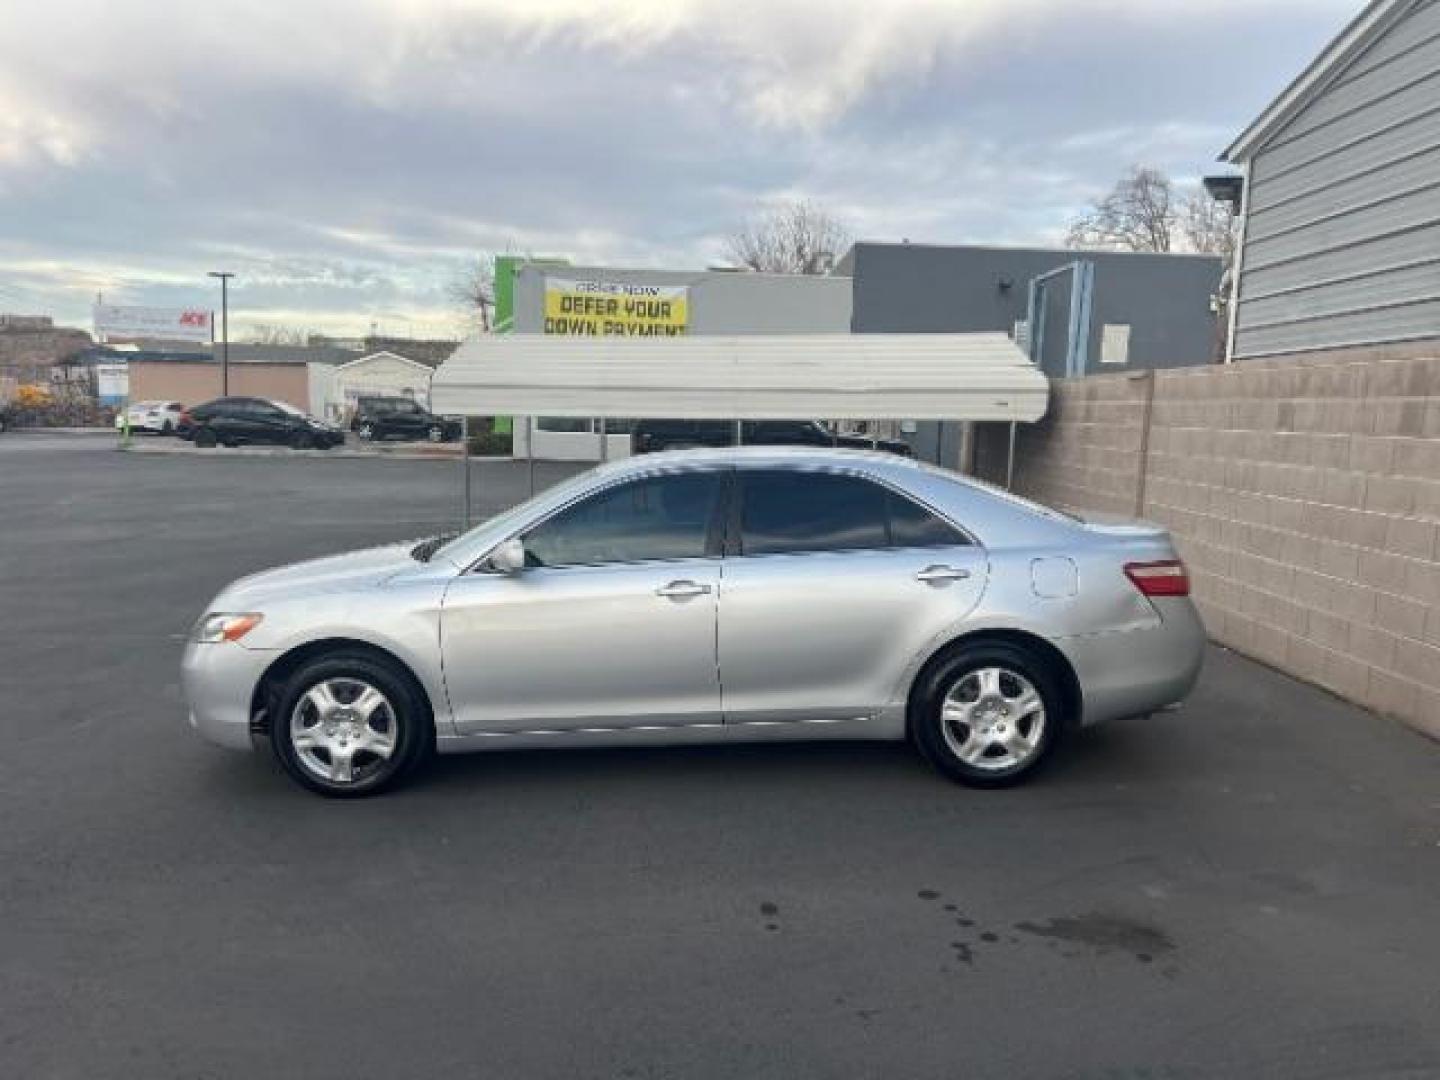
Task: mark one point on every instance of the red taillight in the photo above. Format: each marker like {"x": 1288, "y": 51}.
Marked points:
{"x": 1168, "y": 578}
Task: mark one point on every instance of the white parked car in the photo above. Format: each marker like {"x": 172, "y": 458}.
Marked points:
{"x": 159, "y": 417}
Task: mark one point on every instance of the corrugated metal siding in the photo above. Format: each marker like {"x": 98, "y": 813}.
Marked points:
{"x": 1343, "y": 236}
{"x": 762, "y": 377}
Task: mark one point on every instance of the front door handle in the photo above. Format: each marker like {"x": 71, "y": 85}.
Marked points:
{"x": 682, "y": 590}
{"x": 935, "y": 575}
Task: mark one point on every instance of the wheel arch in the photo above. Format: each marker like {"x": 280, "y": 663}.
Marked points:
{"x": 1042, "y": 649}
{"x": 290, "y": 661}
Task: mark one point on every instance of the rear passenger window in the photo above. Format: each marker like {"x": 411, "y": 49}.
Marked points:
{"x": 794, "y": 512}
{"x": 912, "y": 526}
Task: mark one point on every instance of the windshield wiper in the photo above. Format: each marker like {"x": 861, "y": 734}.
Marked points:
{"x": 425, "y": 550}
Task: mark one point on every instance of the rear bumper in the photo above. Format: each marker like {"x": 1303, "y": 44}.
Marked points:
{"x": 1133, "y": 672}
{"x": 219, "y": 682}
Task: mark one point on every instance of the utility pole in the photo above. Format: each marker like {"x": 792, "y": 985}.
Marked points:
{"x": 224, "y": 276}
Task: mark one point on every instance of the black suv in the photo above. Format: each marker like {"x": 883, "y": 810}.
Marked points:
{"x": 400, "y": 418}
{"x": 652, "y": 436}
{"x": 241, "y": 421}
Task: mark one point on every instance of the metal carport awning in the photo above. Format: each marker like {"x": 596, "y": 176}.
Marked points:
{"x": 752, "y": 377}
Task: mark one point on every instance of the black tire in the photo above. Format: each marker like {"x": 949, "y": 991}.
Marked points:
{"x": 205, "y": 438}
{"x": 414, "y": 734}
{"x": 301, "y": 440}
{"x": 958, "y": 672}
{"x": 168, "y": 429}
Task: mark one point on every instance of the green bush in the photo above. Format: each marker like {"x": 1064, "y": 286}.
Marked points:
{"x": 491, "y": 444}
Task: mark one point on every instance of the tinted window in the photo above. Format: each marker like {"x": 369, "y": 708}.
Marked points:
{"x": 800, "y": 511}
{"x": 665, "y": 517}
{"x": 911, "y": 525}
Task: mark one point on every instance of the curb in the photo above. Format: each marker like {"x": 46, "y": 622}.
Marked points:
{"x": 63, "y": 431}
{"x": 449, "y": 456}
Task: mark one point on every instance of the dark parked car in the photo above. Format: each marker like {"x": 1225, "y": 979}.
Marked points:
{"x": 243, "y": 421}
{"x": 400, "y": 418}
{"x": 653, "y": 436}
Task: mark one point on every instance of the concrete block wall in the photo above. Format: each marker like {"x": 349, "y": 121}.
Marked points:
{"x": 1303, "y": 493}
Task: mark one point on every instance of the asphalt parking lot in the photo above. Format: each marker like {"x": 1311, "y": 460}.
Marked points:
{"x": 1244, "y": 888}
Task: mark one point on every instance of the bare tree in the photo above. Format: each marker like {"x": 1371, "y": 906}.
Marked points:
{"x": 1208, "y": 226}
{"x": 275, "y": 334}
{"x": 792, "y": 238}
{"x": 474, "y": 289}
{"x": 1139, "y": 214}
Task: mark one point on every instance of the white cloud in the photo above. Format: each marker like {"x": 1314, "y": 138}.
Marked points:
{"x": 347, "y": 156}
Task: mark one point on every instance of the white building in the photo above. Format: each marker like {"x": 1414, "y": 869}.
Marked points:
{"x": 334, "y": 388}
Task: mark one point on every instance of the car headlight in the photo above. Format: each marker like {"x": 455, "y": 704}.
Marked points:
{"x": 222, "y": 626}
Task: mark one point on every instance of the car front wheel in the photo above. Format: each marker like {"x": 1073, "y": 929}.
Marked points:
{"x": 988, "y": 715}
{"x": 348, "y": 726}
{"x": 205, "y": 438}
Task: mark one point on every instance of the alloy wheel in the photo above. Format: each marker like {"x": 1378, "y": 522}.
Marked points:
{"x": 993, "y": 719}
{"x": 344, "y": 730}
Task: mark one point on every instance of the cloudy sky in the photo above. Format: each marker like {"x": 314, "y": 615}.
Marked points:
{"x": 347, "y": 158}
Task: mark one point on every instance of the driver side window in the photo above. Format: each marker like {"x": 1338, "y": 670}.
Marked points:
{"x": 655, "y": 519}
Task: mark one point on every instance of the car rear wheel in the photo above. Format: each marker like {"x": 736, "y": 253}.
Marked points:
{"x": 301, "y": 440}
{"x": 350, "y": 725}
{"x": 168, "y": 429}
{"x": 988, "y": 715}
{"x": 205, "y": 438}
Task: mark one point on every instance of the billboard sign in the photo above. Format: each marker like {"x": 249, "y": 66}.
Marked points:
{"x": 170, "y": 324}
{"x": 612, "y": 308}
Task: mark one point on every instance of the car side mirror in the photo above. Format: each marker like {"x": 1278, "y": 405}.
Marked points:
{"x": 508, "y": 557}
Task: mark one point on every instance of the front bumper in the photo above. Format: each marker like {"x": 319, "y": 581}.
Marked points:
{"x": 219, "y": 683}
{"x": 1134, "y": 672}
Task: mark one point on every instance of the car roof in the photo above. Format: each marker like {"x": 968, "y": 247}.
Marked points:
{"x": 779, "y": 456}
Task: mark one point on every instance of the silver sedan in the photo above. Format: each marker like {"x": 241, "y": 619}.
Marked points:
{"x": 707, "y": 596}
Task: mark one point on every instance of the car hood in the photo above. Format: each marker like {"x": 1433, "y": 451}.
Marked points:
{"x": 334, "y": 573}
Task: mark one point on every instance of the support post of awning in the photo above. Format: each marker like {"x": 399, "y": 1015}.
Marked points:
{"x": 465, "y": 465}
{"x": 604, "y": 441}
{"x": 1010, "y": 460}
{"x": 530, "y": 450}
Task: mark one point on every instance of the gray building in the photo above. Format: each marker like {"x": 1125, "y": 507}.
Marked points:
{"x": 1341, "y": 233}
{"x": 1149, "y": 311}
{"x": 718, "y": 302}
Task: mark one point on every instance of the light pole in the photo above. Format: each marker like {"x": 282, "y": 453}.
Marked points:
{"x": 224, "y": 276}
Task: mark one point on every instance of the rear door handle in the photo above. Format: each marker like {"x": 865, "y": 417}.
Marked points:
{"x": 938, "y": 574}
{"x": 682, "y": 590}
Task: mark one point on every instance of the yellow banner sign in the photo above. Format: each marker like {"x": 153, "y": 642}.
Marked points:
{"x": 606, "y": 308}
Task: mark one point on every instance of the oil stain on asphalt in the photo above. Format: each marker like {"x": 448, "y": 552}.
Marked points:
{"x": 1096, "y": 933}
{"x": 1103, "y": 934}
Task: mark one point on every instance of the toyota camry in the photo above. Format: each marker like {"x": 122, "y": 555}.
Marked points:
{"x": 707, "y": 596}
